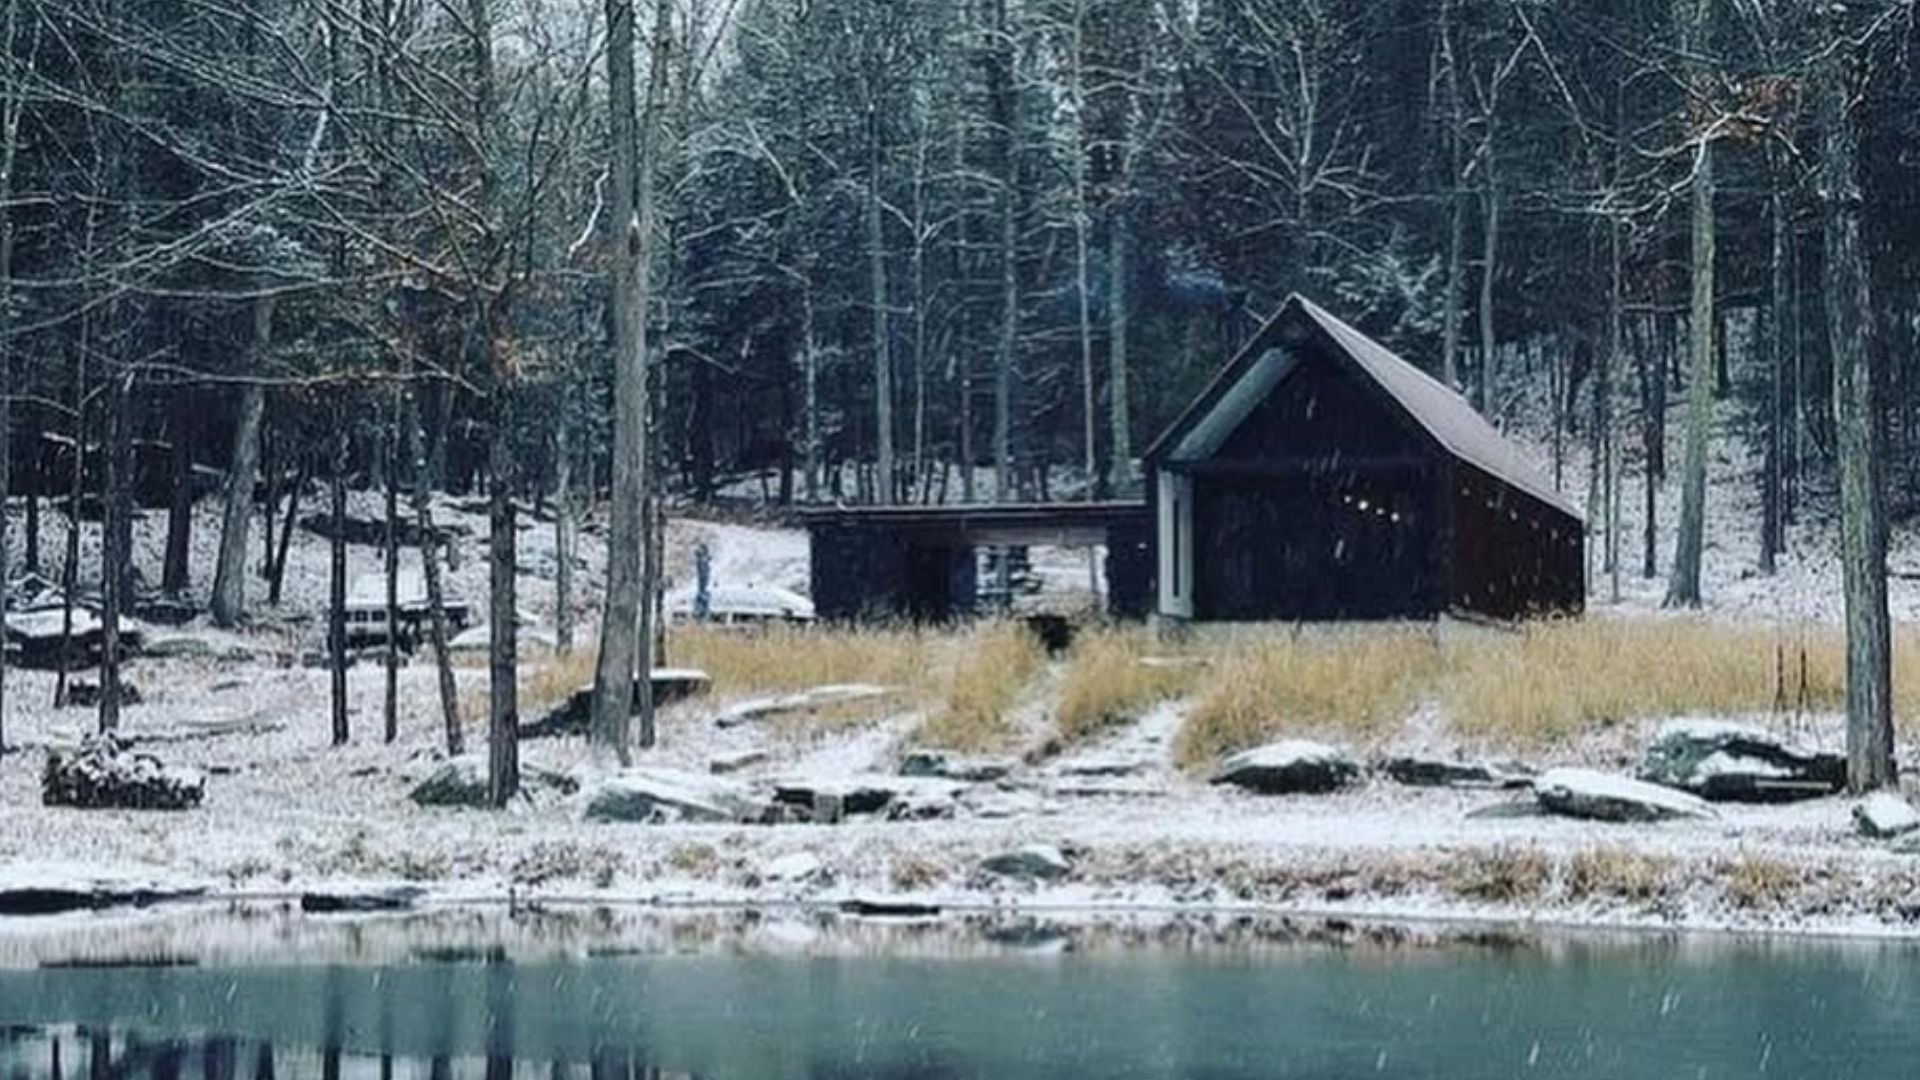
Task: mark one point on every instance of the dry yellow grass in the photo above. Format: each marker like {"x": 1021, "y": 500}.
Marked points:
{"x": 995, "y": 661}
{"x": 1356, "y": 685}
{"x": 1544, "y": 684}
{"x": 1106, "y": 683}
{"x": 1617, "y": 873}
{"x": 1553, "y": 680}
{"x": 773, "y": 658}
{"x": 1755, "y": 881}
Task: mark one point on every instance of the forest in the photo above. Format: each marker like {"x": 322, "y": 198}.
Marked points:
{"x": 923, "y": 251}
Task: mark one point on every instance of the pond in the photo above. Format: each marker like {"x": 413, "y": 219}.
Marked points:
{"x": 944, "y": 1005}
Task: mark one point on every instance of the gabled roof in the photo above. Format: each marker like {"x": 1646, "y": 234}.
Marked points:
{"x": 1444, "y": 415}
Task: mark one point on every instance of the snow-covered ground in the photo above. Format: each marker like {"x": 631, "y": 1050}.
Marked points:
{"x": 285, "y": 813}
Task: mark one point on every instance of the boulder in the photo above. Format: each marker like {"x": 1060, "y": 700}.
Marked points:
{"x": 939, "y": 765}
{"x": 889, "y": 907}
{"x": 819, "y": 697}
{"x": 574, "y": 715}
{"x": 106, "y": 774}
{"x": 86, "y": 695}
{"x": 1884, "y": 815}
{"x": 1587, "y": 793}
{"x": 656, "y": 795}
{"x": 795, "y": 866}
{"x": 1035, "y": 862}
{"x": 1292, "y": 766}
{"x": 462, "y": 781}
{"x": 1442, "y": 772}
{"x": 1729, "y": 762}
{"x": 736, "y": 761}
{"x": 52, "y": 888}
{"x": 353, "y": 897}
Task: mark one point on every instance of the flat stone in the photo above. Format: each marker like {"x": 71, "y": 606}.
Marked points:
{"x": 819, "y": 697}
{"x": 1035, "y": 862}
{"x": 893, "y": 907}
{"x": 654, "y": 795}
{"x": 1884, "y": 815}
{"x": 1441, "y": 772}
{"x": 1291, "y": 766}
{"x": 1731, "y": 762}
{"x": 353, "y": 897}
{"x": 1507, "y": 811}
{"x": 940, "y": 765}
{"x": 1598, "y": 796}
{"x": 33, "y": 889}
{"x": 723, "y": 764}
{"x": 462, "y": 781}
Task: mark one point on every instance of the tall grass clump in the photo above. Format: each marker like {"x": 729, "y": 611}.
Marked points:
{"x": 992, "y": 665}
{"x": 1107, "y": 682}
{"x": 1553, "y": 680}
{"x": 1355, "y": 685}
{"x": 781, "y": 657}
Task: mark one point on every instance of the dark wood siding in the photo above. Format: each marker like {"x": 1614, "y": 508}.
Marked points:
{"x": 1513, "y": 556}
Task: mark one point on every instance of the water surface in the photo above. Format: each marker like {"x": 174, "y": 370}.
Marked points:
{"x": 1615, "y": 1007}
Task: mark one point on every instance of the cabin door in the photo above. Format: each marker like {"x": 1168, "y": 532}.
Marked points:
{"x": 1175, "y": 506}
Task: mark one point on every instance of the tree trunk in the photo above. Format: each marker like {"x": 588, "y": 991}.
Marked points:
{"x": 1119, "y": 411}
{"x": 623, "y": 673}
{"x": 174, "y": 568}
{"x": 1489, "y": 268}
{"x": 563, "y": 522}
{"x": 389, "y": 441}
{"x": 278, "y": 576}
{"x": 1773, "y": 476}
{"x": 503, "y": 648}
{"x": 113, "y": 549}
{"x": 1683, "y": 589}
{"x": 810, "y": 364}
{"x": 1863, "y": 556}
{"x": 1456, "y": 207}
{"x": 884, "y": 488}
{"x": 9, "y": 144}
{"x": 230, "y": 570}
{"x": 1003, "y": 105}
{"x": 430, "y": 570}
{"x": 337, "y": 581}
{"x": 70, "y": 572}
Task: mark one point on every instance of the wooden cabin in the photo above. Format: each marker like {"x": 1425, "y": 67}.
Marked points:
{"x": 1321, "y": 477}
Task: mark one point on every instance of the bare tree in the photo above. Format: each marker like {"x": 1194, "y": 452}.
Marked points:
{"x": 1850, "y": 332}
{"x": 622, "y": 678}
{"x": 1702, "y": 319}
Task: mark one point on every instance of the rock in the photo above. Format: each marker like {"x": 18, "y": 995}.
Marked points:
{"x": 854, "y": 795}
{"x": 1729, "y": 762}
{"x": 655, "y": 795}
{"x": 462, "y": 781}
{"x": 1035, "y": 862}
{"x": 736, "y": 761}
{"x": 86, "y": 695}
{"x": 574, "y": 715}
{"x": 1587, "y": 793}
{"x": 819, "y": 697}
{"x": 107, "y": 775}
{"x": 1292, "y": 766}
{"x": 795, "y": 866}
{"x": 353, "y": 897}
{"x": 1101, "y": 767}
{"x": 1505, "y": 811}
{"x": 889, "y": 907}
{"x": 1884, "y": 815}
{"x": 48, "y": 889}
{"x": 1440, "y": 772}
{"x": 940, "y": 765}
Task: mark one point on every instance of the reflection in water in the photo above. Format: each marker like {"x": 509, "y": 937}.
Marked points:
{"x": 1651, "y": 1007}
